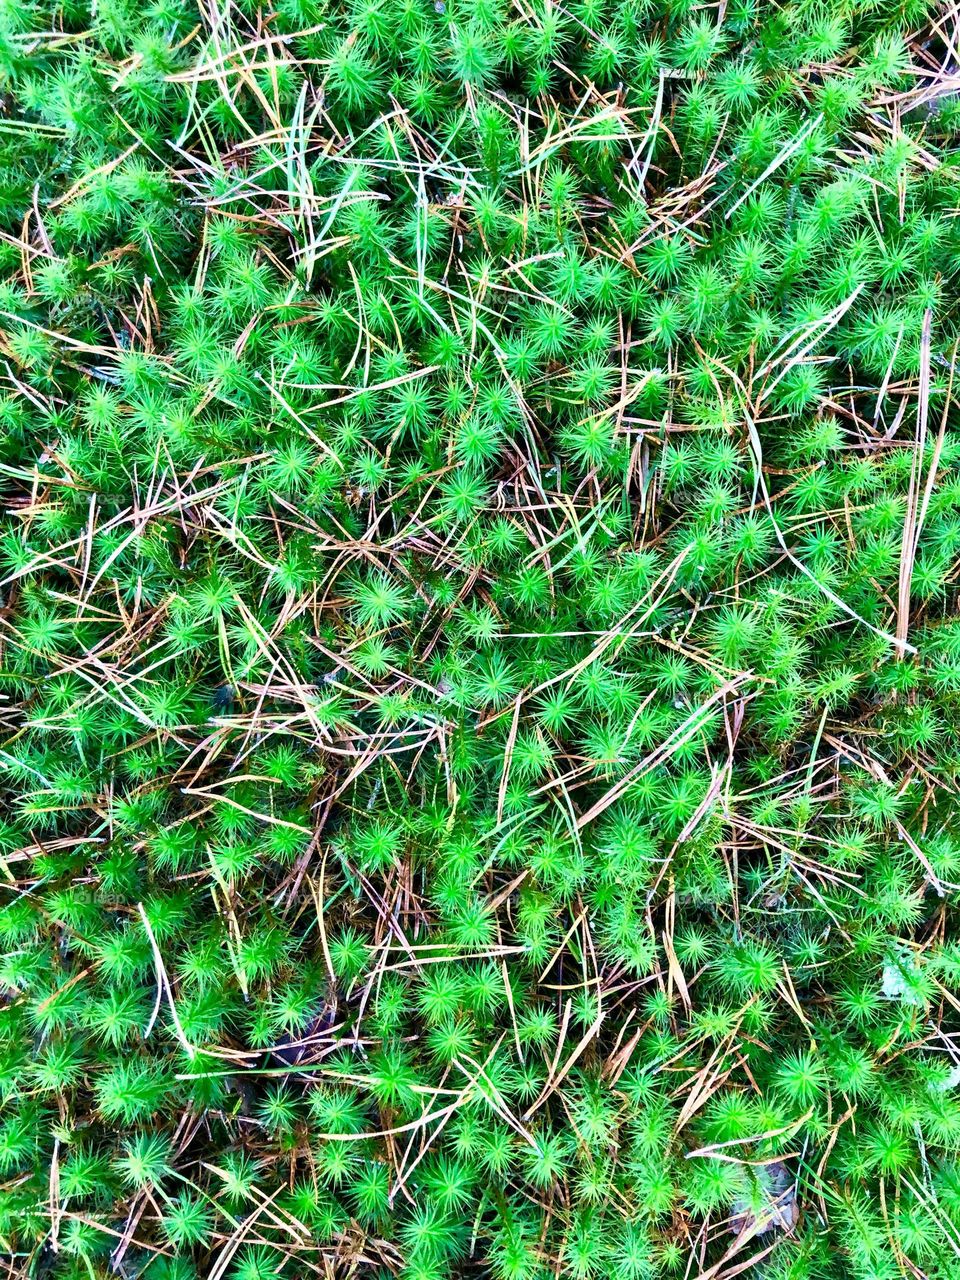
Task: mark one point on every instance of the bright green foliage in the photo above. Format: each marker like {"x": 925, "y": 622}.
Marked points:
{"x": 480, "y": 675}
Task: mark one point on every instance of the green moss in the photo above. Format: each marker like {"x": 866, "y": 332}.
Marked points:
{"x": 479, "y": 678}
